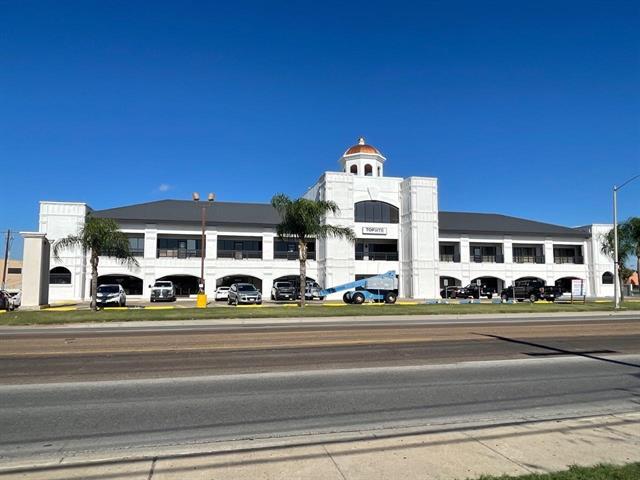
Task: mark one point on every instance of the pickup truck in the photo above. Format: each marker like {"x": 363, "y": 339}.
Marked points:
{"x": 163, "y": 290}
{"x": 532, "y": 290}
{"x": 470, "y": 291}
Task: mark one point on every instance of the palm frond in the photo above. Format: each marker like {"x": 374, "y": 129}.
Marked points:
{"x": 66, "y": 243}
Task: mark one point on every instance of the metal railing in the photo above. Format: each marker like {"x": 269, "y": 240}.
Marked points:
{"x": 574, "y": 259}
{"x": 240, "y": 254}
{"x": 455, "y": 258}
{"x": 134, "y": 252}
{"x": 292, "y": 255}
{"x": 383, "y": 256}
{"x": 528, "y": 259}
{"x": 178, "y": 253}
{"x": 487, "y": 258}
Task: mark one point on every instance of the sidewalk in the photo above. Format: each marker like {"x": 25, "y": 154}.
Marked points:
{"x": 447, "y": 453}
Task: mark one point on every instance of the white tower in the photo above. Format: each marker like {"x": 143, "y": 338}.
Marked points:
{"x": 363, "y": 160}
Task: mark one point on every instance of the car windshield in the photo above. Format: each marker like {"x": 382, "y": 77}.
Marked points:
{"x": 108, "y": 289}
{"x": 223, "y": 288}
{"x": 162, "y": 284}
{"x": 246, "y": 288}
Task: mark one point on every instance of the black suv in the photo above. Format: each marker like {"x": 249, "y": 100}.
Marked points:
{"x": 532, "y": 290}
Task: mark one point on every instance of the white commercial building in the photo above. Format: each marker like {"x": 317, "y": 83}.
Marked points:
{"x": 398, "y": 226}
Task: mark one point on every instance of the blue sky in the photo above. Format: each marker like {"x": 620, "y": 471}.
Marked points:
{"x": 523, "y": 108}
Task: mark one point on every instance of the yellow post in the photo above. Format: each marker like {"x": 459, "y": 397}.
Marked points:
{"x": 201, "y": 301}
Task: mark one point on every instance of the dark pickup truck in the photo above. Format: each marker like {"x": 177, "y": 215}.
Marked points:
{"x": 532, "y": 290}
{"x": 470, "y": 291}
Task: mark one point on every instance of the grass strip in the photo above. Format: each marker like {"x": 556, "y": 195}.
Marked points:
{"x": 50, "y": 317}
{"x": 630, "y": 471}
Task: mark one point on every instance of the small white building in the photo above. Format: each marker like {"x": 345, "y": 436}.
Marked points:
{"x": 398, "y": 226}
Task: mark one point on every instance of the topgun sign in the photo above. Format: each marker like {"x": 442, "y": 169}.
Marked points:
{"x": 374, "y": 230}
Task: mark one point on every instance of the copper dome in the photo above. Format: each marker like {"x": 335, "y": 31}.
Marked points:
{"x": 362, "y": 147}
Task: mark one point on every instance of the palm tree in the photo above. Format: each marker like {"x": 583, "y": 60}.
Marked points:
{"x": 98, "y": 236}
{"x": 303, "y": 220}
{"x": 625, "y": 250}
{"x": 631, "y": 229}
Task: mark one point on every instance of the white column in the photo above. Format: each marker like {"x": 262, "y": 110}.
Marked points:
{"x": 35, "y": 270}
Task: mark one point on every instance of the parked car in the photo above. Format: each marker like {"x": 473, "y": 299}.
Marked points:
{"x": 283, "y": 291}
{"x": 111, "y": 295}
{"x": 163, "y": 290}
{"x": 244, "y": 293}
{"x": 222, "y": 293}
{"x": 15, "y": 297}
{"x": 450, "y": 291}
{"x": 5, "y": 301}
{"x": 312, "y": 291}
{"x": 532, "y": 290}
{"x": 474, "y": 291}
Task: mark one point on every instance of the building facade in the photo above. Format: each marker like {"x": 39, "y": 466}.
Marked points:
{"x": 396, "y": 220}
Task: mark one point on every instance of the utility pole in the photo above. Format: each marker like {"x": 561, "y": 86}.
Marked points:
{"x": 616, "y": 263}
{"x": 6, "y": 260}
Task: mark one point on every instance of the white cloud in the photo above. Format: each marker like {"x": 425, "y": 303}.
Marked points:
{"x": 164, "y": 187}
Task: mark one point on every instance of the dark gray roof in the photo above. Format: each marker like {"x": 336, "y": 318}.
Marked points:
{"x": 263, "y": 214}
{"x": 492, "y": 223}
{"x": 185, "y": 211}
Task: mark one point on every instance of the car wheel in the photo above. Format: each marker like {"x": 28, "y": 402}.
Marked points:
{"x": 390, "y": 297}
{"x": 490, "y": 296}
{"x": 346, "y": 298}
{"x": 533, "y": 298}
{"x": 357, "y": 298}
{"x": 504, "y": 297}
{"x": 258, "y": 303}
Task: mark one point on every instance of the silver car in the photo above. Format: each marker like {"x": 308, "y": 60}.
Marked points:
{"x": 244, "y": 293}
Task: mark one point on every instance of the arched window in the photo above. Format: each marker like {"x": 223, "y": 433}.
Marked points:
{"x": 60, "y": 276}
{"x": 373, "y": 211}
{"x": 607, "y": 278}
{"x": 354, "y": 169}
{"x": 368, "y": 170}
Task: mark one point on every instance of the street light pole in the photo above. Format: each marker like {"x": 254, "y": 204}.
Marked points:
{"x": 196, "y": 198}
{"x": 616, "y": 263}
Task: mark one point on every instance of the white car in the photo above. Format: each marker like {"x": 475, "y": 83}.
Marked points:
{"x": 16, "y": 298}
{"x": 111, "y": 295}
{"x": 222, "y": 293}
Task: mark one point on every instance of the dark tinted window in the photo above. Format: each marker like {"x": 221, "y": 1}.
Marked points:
{"x": 373, "y": 211}
{"x": 108, "y": 289}
{"x": 60, "y": 276}
{"x": 246, "y": 288}
{"x": 607, "y": 278}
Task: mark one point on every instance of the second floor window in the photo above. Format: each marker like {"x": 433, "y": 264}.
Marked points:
{"x": 179, "y": 247}
{"x": 373, "y": 211}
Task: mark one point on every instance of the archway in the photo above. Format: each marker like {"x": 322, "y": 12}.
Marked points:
{"x": 607, "y": 278}
{"x": 452, "y": 281}
{"x": 185, "y": 285}
{"x": 368, "y": 170}
{"x": 490, "y": 284}
{"x": 132, "y": 285}
{"x": 59, "y": 276}
{"x": 354, "y": 169}
{"x": 565, "y": 283}
{"x": 525, "y": 279}
{"x": 229, "y": 280}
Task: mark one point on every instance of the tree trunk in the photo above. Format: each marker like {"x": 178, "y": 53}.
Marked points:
{"x": 94, "y": 281}
{"x": 302, "y": 248}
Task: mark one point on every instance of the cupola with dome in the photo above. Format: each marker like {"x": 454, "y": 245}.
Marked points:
{"x": 363, "y": 160}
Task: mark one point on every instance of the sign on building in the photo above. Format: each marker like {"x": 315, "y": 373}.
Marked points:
{"x": 374, "y": 230}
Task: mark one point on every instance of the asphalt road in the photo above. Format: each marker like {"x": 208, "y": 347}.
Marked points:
{"x": 176, "y": 386}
